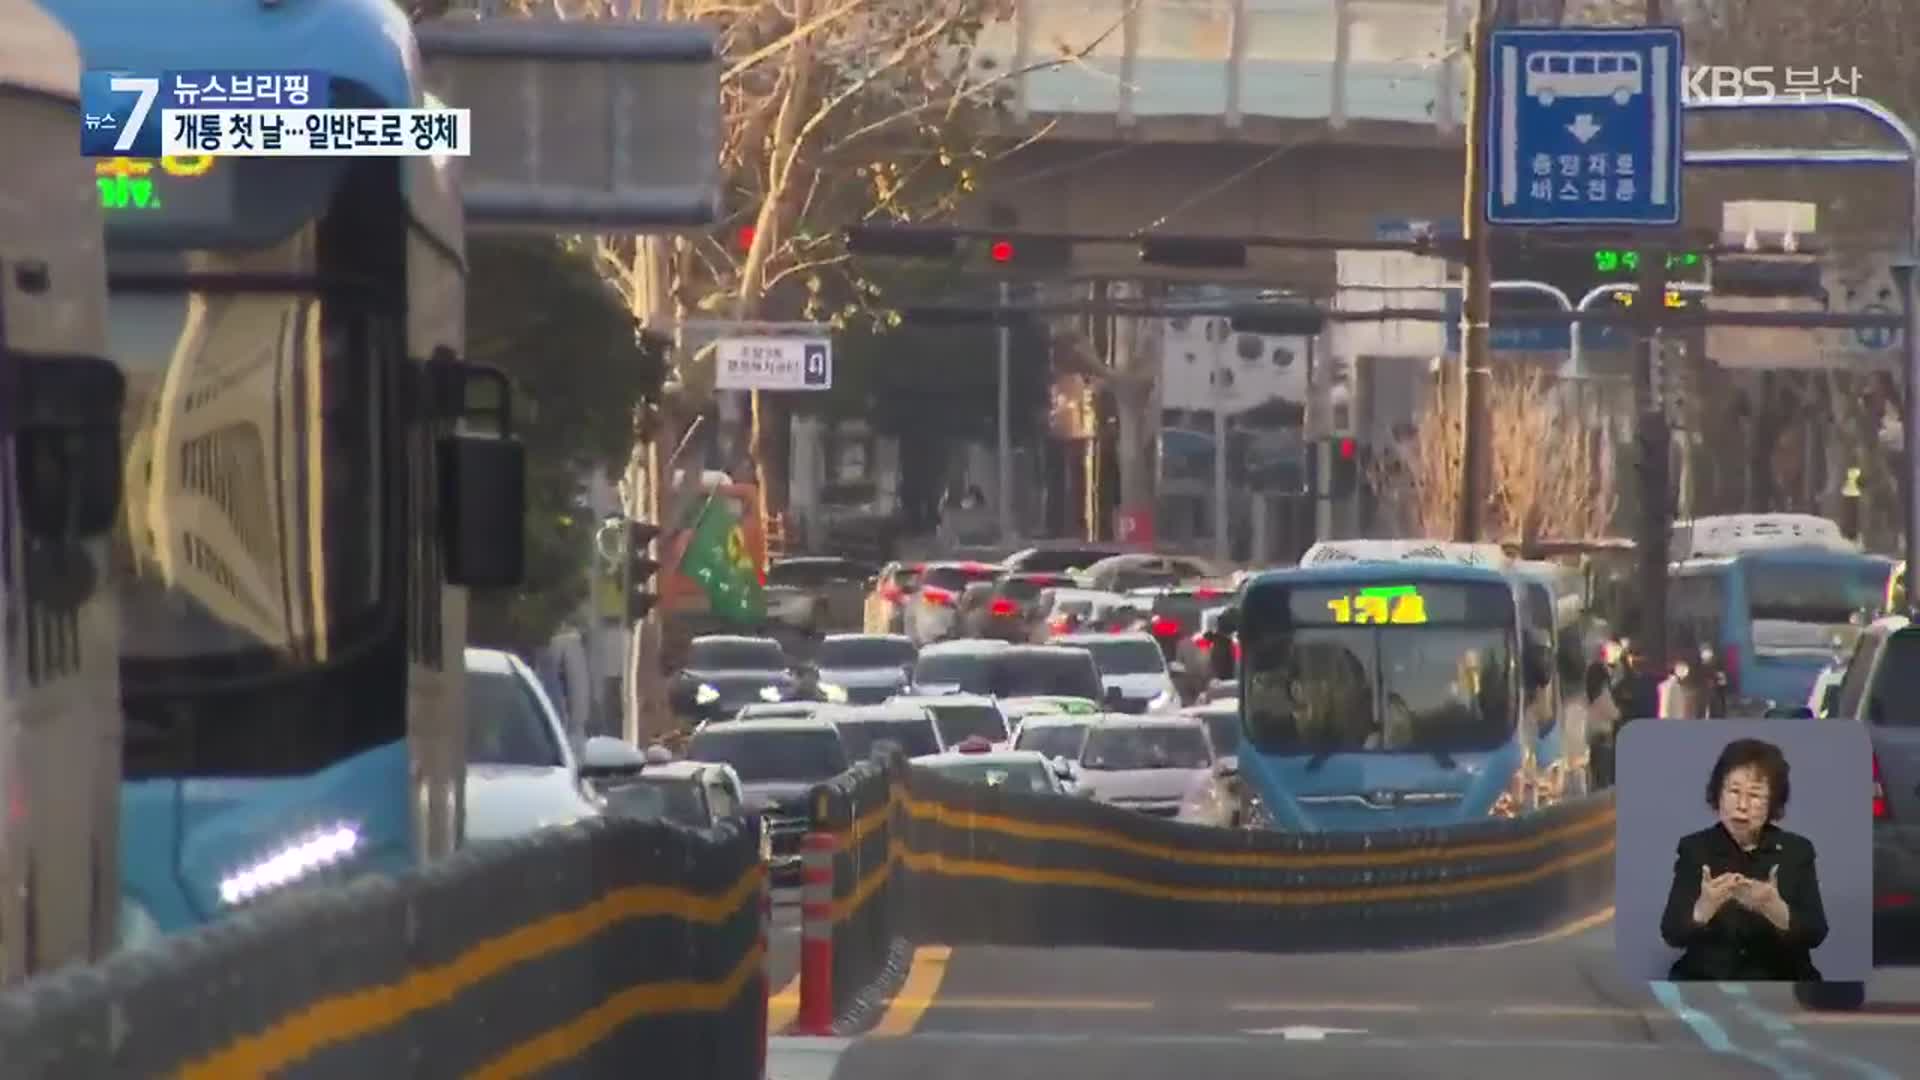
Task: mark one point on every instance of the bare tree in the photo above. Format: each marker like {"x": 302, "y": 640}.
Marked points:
{"x": 1547, "y": 474}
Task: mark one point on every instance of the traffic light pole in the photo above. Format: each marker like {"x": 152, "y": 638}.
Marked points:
{"x": 1476, "y": 308}
{"x": 1652, "y": 441}
{"x": 1003, "y": 434}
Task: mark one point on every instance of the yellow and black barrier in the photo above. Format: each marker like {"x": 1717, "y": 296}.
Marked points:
{"x": 594, "y": 949}
{"x": 938, "y": 861}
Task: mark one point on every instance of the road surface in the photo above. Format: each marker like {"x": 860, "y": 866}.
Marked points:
{"x": 1550, "y": 1007}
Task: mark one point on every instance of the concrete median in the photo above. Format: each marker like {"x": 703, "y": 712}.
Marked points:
{"x": 593, "y": 947}
{"x": 923, "y": 858}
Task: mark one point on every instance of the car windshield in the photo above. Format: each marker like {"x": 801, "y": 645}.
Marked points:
{"x": 506, "y": 724}
{"x": 1061, "y": 560}
{"x": 736, "y": 656}
{"x": 1053, "y": 740}
{"x": 1824, "y": 594}
{"x": 1013, "y": 775}
{"x": 873, "y": 652}
{"x": 1066, "y": 672}
{"x": 914, "y": 737}
{"x": 1439, "y": 685}
{"x": 1223, "y": 728}
{"x": 773, "y": 755}
{"x": 1125, "y": 656}
{"x": 1112, "y": 749}
{"x": 812, "y": 573}
{"x": 958, "y": 723}
{"x": 1021, "y": 590}
{"x": 659, "y": 799}
{"x": 957, "y": 578}
{"x": 962, "y": 668}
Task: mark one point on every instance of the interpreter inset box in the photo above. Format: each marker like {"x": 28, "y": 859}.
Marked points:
{"x": 1744, "y": 851}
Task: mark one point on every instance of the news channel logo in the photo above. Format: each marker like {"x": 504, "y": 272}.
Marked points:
{"x": 1709, "y": 82}
{"x": 121, "y": 112}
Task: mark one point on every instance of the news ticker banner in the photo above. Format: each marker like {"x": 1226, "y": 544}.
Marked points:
{"x": 252, "y": 113}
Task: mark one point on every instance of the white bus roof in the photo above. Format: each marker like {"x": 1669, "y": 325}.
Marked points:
{"x": 1733, "y": 534}
{"x": 36, "y": 52}
{"x": 1329, "y": 552}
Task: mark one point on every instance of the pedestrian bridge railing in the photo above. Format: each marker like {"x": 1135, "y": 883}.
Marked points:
{"x": 1338, "y": 60}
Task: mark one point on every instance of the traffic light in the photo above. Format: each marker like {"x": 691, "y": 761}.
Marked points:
{"x": 1028, "y": 253}
{"x": 1768, "y": 276}
{"x": 1022, "y": 252}
{"x": 1194, "y": 252}
{"x": 640, "y": 566}
{"x": 1345, "y": 478}
{"x": 1285, "y": 318}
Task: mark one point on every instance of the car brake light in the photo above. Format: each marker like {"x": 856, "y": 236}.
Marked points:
{"x": 1208, "y": 593}
{"x": 1162, "y": 626}
{"x": 1881, "y": 811}
{"x": 1003, "y": 606}
{"x": 974, "y": 744}
{"x": 1201, "y": 642}
{"x": 936, "y": 595}
{"x": 1236, "y": 650}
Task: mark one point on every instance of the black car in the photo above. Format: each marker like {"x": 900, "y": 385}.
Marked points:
{"x": 778, "y": 763}
{"x": 724, "y": 672}
{"x": 1010, "y": 671}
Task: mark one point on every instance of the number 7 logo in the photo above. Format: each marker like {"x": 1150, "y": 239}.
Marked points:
{"x": 147, "y": 89}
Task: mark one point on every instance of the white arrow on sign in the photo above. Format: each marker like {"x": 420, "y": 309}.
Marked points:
{"x": 1584, "y": 128}
{"x": 1305, "y": 1032}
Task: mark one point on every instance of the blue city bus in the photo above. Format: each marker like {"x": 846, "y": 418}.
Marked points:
{"x": 308, "y": 487}
{"x": 1390, "y": 694}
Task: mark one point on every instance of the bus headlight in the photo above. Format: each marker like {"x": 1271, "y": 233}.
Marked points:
{"x": 297, "y": 860}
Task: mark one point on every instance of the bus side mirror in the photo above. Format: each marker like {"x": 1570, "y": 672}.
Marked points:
{"x": 1220, "y": 656}
{"x": 483, "y": 476}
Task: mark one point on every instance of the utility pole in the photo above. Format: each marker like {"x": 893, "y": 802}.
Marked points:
{"x": 1476, "y": 316}
{"x": 1003, "y": 433}
{"x": 1654, "y": 444}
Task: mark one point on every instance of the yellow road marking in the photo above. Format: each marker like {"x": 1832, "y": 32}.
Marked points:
{"x": 783, "y": 1007}
{"x": 924, "y": 975}
{"x": 1577, "y": 926}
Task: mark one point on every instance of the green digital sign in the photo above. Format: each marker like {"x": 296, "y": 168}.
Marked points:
{"x": 1681, "y": 265}
{"x": 134, "y": 184}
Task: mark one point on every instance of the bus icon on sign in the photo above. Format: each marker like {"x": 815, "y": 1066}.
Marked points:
{"x": 1616, "y": 75}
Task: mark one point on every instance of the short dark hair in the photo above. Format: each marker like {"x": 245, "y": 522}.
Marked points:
{"x": 1765, "y": 758}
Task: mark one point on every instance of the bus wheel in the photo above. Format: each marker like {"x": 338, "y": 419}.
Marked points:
{"x": 1830, "y": 996}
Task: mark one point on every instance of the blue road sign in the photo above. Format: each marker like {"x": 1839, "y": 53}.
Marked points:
{"x": 1583, "y": 127}
{"x": 1876, "y": 337}
{"x": 816, "y": 369}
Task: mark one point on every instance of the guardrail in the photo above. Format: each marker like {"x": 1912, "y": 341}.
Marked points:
{"x": 923, "y": 858}
{"x": 597, "y": 946}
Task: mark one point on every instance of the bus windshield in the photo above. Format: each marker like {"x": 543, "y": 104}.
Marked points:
{"x": 255, "y": 504}
{"x": 1408, "y": 668}
{"x": 1823, "y": 593}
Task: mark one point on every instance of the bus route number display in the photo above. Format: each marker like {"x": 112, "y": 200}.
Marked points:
{"x": 1397, "y": 605}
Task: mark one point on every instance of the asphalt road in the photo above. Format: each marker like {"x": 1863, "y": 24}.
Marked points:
{"x": 1550, "y": 1007}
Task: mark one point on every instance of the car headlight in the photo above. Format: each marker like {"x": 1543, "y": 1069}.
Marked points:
{"x": 769, "y": 693}
{"x": 706, "y": 695}
{"x": 835, "y": 694}
{"x": 1164, "y": 700}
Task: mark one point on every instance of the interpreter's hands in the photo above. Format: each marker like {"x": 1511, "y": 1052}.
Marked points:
{"x": 1714, "y": 894}
{"x": 1759, "y": 896}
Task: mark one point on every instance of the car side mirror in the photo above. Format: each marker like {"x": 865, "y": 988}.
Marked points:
{"x": 483, "y": 475}
{"x": 604, "y": 755}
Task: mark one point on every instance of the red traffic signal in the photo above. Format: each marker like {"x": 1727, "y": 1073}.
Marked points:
{"x": 743, "y": 238}
{"x": 1001, "y": 251}
{"x": 1349, "y": 449}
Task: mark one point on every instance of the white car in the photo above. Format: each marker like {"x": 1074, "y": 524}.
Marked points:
{"x": 522, "y": 775}
{"x": 1133, "y": 671}
{"x": 976, "y": 762}
{"x": 1160, "y": 766}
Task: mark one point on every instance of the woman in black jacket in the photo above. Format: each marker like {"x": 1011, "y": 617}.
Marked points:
{"x": 1745, "y": 902}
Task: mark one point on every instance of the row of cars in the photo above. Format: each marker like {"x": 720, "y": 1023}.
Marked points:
{"x": 1052, "y": 738}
